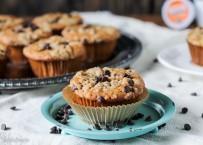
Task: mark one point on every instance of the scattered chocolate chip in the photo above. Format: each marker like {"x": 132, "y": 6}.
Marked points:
{"x": 131, "y": 82}
{"x": 148, "y": 119}
{"x": 184, "y": 110}
{"x": 107, "y": 73}
{"x": 130, "y": 122}
{"x": 155, "y": 60}
{"x": 96, "y": 126}
{"x": 100, "y": 99}
{"x": 3, "y": 126}
{"x": 117, "y": 129}
{"x": 107, "y": 128}
{"x": 47, "y": 46}
{"x": 202, "y": 115}
{"x": 187, "y": 127}
{"x": 70, "y": 112}
{"x": 161, "y": 126}
{"x": 193, "y": 94}
{"x": 59, "y": 131}
{"x": 13, "y": 108}
{"x": 180, "y": 79}
{"x": 89, "y": 129}
{"x": 128, "y": 89}
{"x": 137, "y": 116}
{"x": 55, "y": 130}
{"x": 169, "y": 85}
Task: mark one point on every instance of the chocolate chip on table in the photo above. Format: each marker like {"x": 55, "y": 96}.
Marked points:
{"x": 131, "y": 82}
{"x": 193, "y": 94}
{"x": 169, "y": 85}
{"x": 137, "y": 116}
{"x": 107, "y": 73}
{"x": 187, "y": 127}
{"x": 180, "y": 79}
{"x": 117, "y": 129}
{"x": 128, "y": 89}
{"x": 155, "y": 60}
{"x": 55, "y": 130}
{"x": 13, "y": 108}
{"x": 100, "y": 99}
{"x": 148, "y": 119}
{"x": 47, "y": 46}
{"x": 96, "y": 126}
{"x": 3, "y": 126}
{"x": 202, "y": 115}
{"x": 184, "y": 110}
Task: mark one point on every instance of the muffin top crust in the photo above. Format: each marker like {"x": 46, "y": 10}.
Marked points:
{"x": 54, "y": 48}
{"x": 58, "y": 20}
{"x": 2, "y": 52}
{"x": 109, "y": 84}
{"x": 89, "y": 33}
{"x": 23, "y": 34}
{"x": 195, "y": 36}
{"x": 8, "y": 21}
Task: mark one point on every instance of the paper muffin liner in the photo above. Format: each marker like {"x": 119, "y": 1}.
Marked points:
{"x": 107, "y": 115}
{"x": 15, "y": 54}
{"x": 53, "y": 68}
{"x": 196, "y": 53}
{"x": 100, "y": 51}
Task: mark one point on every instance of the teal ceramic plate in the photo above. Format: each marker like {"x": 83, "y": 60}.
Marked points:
{"x": 160, "y": 107}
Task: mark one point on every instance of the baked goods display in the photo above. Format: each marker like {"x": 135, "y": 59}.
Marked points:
{"x": 105, "y": 95}
{"x": 195, "y": 43}
{"x": 52, "y": 44}
{"x": 99, "y": 41}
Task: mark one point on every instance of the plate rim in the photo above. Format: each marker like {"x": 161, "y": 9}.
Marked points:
{"x": 163, "y": 119}
{"x": 165, "y": 63}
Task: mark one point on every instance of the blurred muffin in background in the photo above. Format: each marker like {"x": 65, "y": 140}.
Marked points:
{"x": 8, "y": 21}
{"x": 55, "y": 56}
{"x": 195, "y": 43}
{"x": 100, "y": 41}
{"x": 58, "y": 21}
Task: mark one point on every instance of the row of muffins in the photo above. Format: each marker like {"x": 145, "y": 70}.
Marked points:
{"x": 52, "y": 44}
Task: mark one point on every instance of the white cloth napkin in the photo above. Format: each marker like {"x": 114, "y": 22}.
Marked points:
{"x": 28, "y": 126}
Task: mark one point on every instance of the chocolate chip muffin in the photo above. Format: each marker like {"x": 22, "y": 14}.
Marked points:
{"x": 100, "y": 41}
{"x": 19, "y": 36}
{"x": 54, "y": 56}
{"x": 2, "y": 60}
{"x": 195, "y": 43}
{"x": 58, "y": 21}
{"x": 105, "y": 95}
{"x": 8, "y": 21}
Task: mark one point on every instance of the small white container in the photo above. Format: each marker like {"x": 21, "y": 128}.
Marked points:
{"x": 199, "y": 12}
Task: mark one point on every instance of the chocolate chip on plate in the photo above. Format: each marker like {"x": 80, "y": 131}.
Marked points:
{"x": 117, "y": 129}
{"x": 130, "y": 122}
{"x": 169, "y": 85}
{"x": 184, "y": 110}
{"x": 187, "y": 127}
{"x": 137, "y": 116}
{"x": 148, "y": 119}
{"x": 193, "y": 94}
{"x": 3, "y": 126}
{"x": 13, "y": 108}
{"x": 100, "y": 99}
{"x": 96, "y": 126}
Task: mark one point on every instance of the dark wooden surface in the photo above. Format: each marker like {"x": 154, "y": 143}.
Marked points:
{"x": 123, "y": 7}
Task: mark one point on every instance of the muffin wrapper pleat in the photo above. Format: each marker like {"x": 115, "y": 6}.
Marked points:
{"x": 102, "y": 115}
{"x": 196, "y": 53}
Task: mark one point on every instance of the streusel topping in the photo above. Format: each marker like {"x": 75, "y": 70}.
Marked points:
{"x": 112, "y": 84}
{"x": 54, "y": 48}
{"x": 91, "y": 33}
